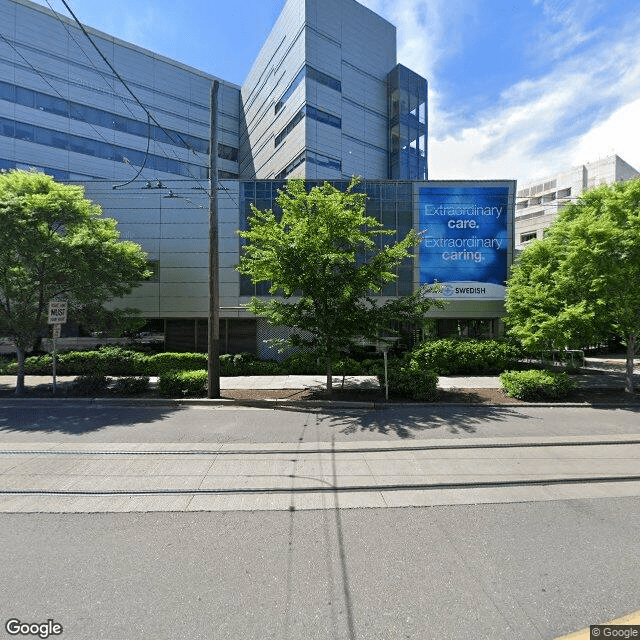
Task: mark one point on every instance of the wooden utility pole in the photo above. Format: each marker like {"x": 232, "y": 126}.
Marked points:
{"x": 213, "y": 368}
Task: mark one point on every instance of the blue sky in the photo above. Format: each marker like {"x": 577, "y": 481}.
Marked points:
{"x": 517, "y": 89}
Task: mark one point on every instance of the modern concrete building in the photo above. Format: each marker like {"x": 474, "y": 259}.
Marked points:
{"x": 325, "y": 100}
{"x": 63, "y": 110}
{"x": 538, "y": 202}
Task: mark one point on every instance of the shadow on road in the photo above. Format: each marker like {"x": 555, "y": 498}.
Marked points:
{"x": 408, "y": 422}
{"x": 79, "y": 419}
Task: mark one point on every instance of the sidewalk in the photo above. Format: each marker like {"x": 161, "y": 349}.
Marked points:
{"x": 607, "y": 378}
{"x": 106, "y": 477}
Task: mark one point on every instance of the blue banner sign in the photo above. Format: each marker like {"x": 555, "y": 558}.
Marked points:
{"x": 464, "y": 242}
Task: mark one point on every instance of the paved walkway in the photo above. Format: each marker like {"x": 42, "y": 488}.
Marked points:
{"x": 109, "y": 477}
{"x": 612, "y": 377}
{"x": 81, "y": 477}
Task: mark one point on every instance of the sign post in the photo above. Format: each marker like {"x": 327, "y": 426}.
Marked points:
{"x": 386, "y": 374}
{"x": 57, "y": 317}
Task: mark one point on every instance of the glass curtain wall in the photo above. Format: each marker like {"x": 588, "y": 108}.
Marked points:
{"x": 407, "y": 99}
{"x": 389, "y": 202}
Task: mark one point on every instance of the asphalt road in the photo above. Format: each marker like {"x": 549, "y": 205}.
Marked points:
{"x": 518, "y": 570}
{"x": 524, "y": 571}
{"x": 84, "y": 422}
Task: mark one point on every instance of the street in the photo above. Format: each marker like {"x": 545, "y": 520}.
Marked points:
{"x": 55, "y": 421}
{"x": 524, "y": 571}
{"x": 542, "y": 565}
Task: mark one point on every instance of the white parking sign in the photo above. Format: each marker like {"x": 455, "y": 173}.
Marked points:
{"x": 57, "y": 312}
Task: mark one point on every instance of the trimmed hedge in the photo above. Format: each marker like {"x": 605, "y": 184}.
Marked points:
{"x": 90, "y": 385}
{"x": 537, "y": 385}
{"x": 117, "y": 361}
{"x": 303, "y": 364}
{"x": 114, "y": 361}
{"x": 161, "y": 363}
{"x": 180, "y": 384}
{"x": 454, "y": 356}
{"x": 131, "y": 386}
{"x": 408, "y": 381}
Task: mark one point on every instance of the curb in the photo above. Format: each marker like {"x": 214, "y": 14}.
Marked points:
{"x": 277, "y": 403}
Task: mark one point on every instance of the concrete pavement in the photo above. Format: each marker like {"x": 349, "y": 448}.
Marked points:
{"x": 110, "y": 477}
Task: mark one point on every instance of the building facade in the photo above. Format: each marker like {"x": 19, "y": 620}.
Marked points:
{"x": 324, "y": 100}
{"x": 538, "y": 202}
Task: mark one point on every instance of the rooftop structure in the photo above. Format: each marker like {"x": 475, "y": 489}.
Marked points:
{"x": 538, "y": 202}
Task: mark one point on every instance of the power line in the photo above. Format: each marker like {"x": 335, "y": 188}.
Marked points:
{"x": 126, "y": 86}
{"x": 91, "y": 62}
{"x": 150, "y": 117}
{"x": 11, "y": 44}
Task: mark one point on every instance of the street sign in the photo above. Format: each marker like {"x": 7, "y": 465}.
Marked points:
{"x": 57, "y": 312}
{"x": 57, "y": 330}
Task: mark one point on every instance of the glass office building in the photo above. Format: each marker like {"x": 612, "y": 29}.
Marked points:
{"x": 407, "y": 92}
{"x": 325, "y": 100}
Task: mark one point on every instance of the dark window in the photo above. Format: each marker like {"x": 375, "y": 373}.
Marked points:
{"x": 323, "y": 116}
{"x": 25, "y": 131}
{"x": 527, "y": 237}
{"x": 91, "y": 115}
{"x": 52, "y": 105}
{"x": 227, "y": 153}
{"x": 324, "y": 79}
{"x": 290, "y": 127}
{"x": 292, "y": 87}
{"x": 312, "y": 74}
{"x": 7, "y": 91}
{"x": 25, "y": 97}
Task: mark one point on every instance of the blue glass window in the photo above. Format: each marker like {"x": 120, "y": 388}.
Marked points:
{"x": 323, "y": 116}
{"x": 312, "y": 74}
{"x": 227, "y": 153}
{"x": 91, "y": 115}
{"x": 290, "y": 127}
{"x": 314, "y": 114}
{"x": 324, "y": 79}
{"x": 98, "y": 149}
{"x": 292, "y": 87}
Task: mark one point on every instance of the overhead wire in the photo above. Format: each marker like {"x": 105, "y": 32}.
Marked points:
{"x": 150, "y": 116}
{"x": 185, "y": 144}
{"x": 104, "y": 77}
{"x": 36, "y": 70}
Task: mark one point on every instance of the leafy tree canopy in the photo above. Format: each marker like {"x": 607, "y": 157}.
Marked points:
{"x": 580, "y": 284}
{"x": 54, "y": 244}
{"x": 326, "y": 259}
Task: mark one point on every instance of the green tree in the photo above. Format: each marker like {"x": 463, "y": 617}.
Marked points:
{"x": 54, "y": 244}
{"x": 580, "y": 284}
{"x": 324, "y": 259}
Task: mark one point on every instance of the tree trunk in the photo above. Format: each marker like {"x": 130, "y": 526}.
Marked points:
{"x": 329, "y": 377}
{"x": 20, "y": 376}
{"x": 631, "y": 352}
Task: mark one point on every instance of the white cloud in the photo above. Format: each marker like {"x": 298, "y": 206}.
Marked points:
{"x": 585, "y": 107}
{"x": 566, "y": 26}
{"x": 620, "y": 133}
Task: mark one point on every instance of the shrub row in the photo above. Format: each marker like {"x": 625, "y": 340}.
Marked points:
{"x": 406, "y": 380}
{"x": 181, "y": 384}
{"x": 449, "y": 356}
{"x": 100, "y": 385}
{"x": 117, "y": 361}
{"x": 536, "y": 385}
{"x": 114, "y": 361}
